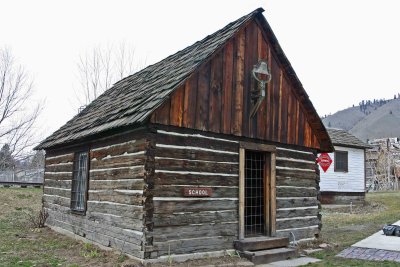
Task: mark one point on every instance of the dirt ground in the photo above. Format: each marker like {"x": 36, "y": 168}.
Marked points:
{"x": 21, "y": 244}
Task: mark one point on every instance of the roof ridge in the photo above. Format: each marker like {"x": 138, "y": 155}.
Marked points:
{"x": 342, "y": 137}
{"x": 248, "y": 16}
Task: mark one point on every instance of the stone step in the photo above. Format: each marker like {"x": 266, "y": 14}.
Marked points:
{"x": 261, "y": 243}
{"x": 270, "y": 255}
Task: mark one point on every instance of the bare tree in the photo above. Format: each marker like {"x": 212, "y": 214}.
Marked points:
{"x": 37, "y": 160}
{"x": 18, "y": 113}
{"x": 101, "y": 68}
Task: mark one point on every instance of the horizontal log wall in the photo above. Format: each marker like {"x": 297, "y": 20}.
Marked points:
{"x": 185, "y": 224}
{"x": 136, "y": 193}
{"x": 297, "y": 194}
{"x": 115, "y": 215}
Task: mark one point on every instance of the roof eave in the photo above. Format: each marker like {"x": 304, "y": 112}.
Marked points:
{"x": 352, "y": 146}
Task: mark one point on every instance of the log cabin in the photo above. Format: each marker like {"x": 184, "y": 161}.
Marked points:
{"x": 344, "y": 182}
{"x": 209, "y": 150}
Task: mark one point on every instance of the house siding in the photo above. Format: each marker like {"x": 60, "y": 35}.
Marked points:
{"x": 116, "y": 204}
{"x": 188, "y": 158}
{"x": 351, "y": 181}
{"x": 194, "y": 119}
{"x": 135, "y": 195}
{"x": 185, "y": 225}
{"x": 216, "y": 97}
{"x": 297, "y": 193}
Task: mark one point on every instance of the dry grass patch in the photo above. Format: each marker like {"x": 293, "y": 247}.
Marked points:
{"x": 24, "y": 245}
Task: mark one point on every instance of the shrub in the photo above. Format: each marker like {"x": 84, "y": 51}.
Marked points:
{"x": 39, "y": 220}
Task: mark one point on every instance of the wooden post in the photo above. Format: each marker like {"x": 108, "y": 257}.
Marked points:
{"x": 273, "y": 194}
{"x": 365, "y": 171}
{"x": 388, "y": 164}
{"x": 388, "y": 170}
{"x": 241, "y": 192}
{"x": 267, "y": 193}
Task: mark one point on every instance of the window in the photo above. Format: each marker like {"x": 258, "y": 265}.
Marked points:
{"x": 79, "y": 182}
{"x": 341, "y": 161}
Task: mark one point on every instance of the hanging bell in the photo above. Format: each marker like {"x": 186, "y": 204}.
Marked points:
{"x": 261, "y": 68}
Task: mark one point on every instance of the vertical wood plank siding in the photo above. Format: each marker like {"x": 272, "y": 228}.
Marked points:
{"x": 239, "y": 84}
{"x": 189, "y": 117}
{"x": 217, "y": 97}
{"x": 226, "y": 112}
{"x": 215, "y": 103}
{"x": 115, "y": 215}
{"x": 263, "y": 119}
{"x": 203, "y": 93}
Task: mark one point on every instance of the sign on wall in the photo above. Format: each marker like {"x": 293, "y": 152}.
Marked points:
{"x": 324, "y": 160}
{"x": 197, "y": 192}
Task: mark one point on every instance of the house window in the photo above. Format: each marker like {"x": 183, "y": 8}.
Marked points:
{"x": 341, "y": 161}
{"x": 79, "y": 182}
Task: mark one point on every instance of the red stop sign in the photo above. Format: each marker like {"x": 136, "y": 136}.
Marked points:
{"x": 324, "y": 161}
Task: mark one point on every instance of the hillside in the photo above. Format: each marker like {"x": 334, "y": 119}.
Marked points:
{"x": 347, "y": 118}
{"x": 372, "y": 120}
{"x": 384, "y": 122}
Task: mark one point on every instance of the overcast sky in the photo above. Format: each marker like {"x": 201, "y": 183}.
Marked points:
{"x": 342, "y": 51}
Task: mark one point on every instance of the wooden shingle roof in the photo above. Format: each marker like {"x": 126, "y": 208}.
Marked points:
{"x": 134, "y": 98}
{"x": 340, "y": 137}
{"x": 131, "y": 101}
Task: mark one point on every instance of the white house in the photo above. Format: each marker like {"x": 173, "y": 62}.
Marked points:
{"x": 344, "y": 181}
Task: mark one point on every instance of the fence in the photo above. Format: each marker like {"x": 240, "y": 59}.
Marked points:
{"x": 31, "y": 176}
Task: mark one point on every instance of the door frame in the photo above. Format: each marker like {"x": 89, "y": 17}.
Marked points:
{"x": 270, "y": 202}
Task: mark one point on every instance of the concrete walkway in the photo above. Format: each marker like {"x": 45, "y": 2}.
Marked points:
{"x": 290, "y": 263}
{"x": 377, "y": 247}
{"x": 380, "y": 241}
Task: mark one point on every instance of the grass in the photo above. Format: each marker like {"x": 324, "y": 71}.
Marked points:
{"x": 342, "y": 228}
{"x": 22, "y": 245}
{"x": 89, "y": 251}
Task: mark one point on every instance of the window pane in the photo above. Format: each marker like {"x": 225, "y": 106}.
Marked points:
{"x": 341, "y": 161}
{"x": 79, "y": 182}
